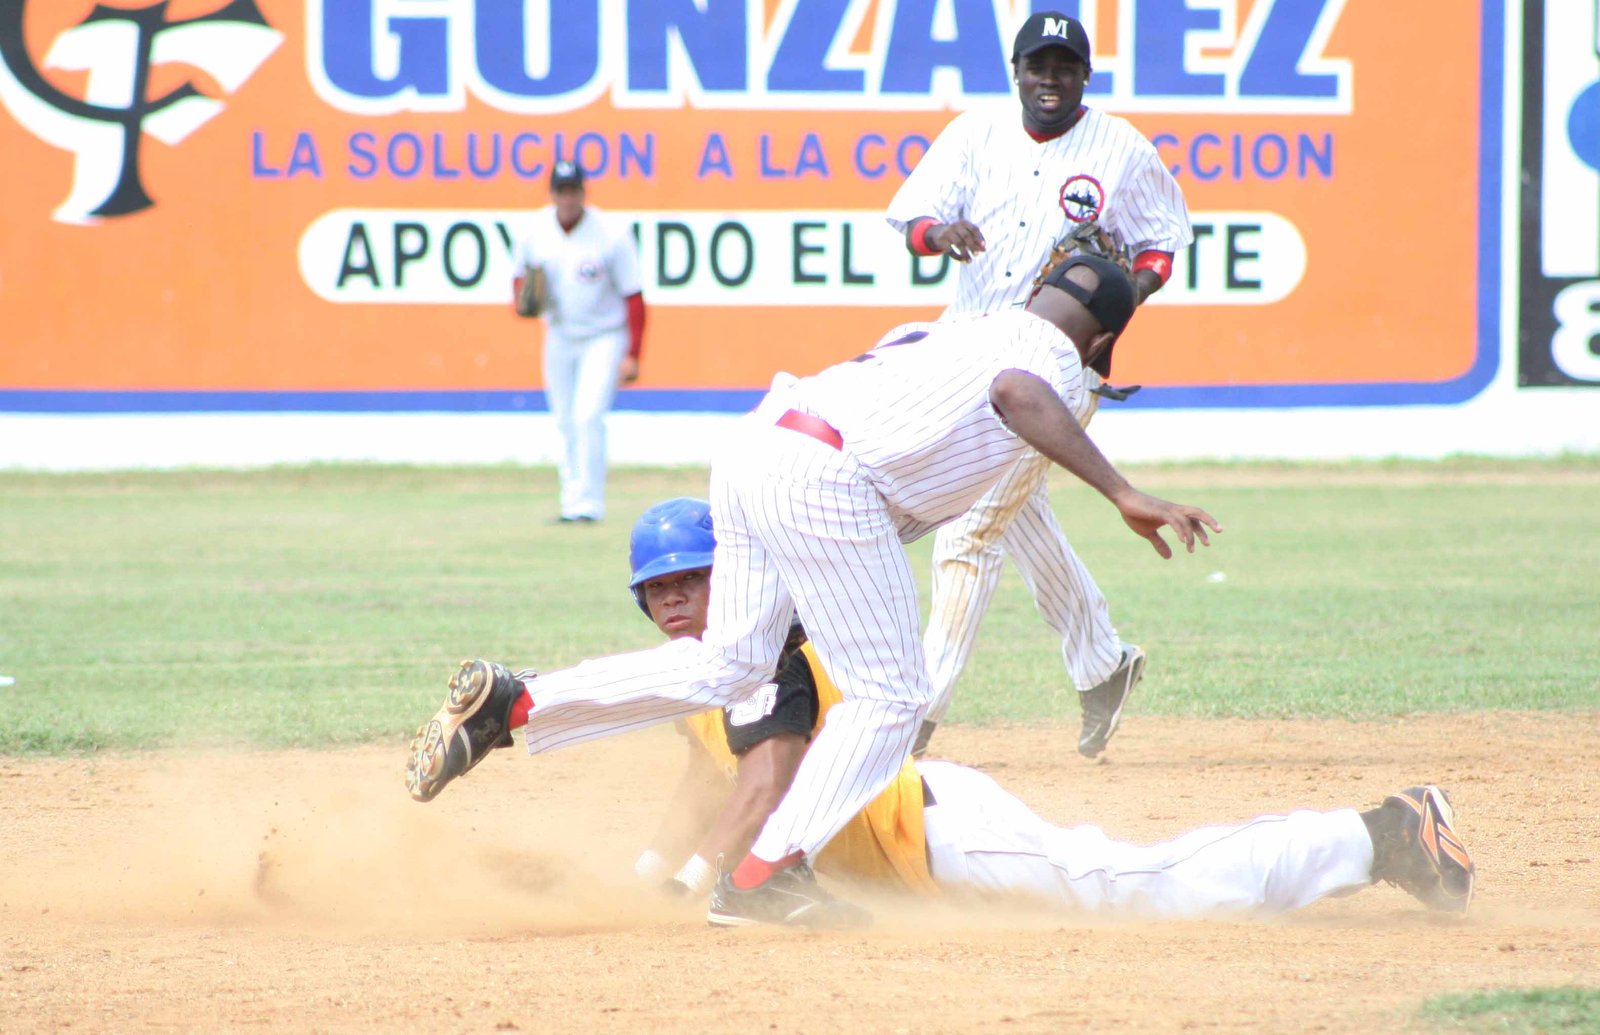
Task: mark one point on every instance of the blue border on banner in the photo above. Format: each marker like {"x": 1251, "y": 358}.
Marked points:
{"x": 1268, "y": 396}
{"x": 643, "y": 400}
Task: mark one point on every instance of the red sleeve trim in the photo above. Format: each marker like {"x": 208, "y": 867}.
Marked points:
{"x": 919, "y": 235}
{"x": 1159, "y": 263}
{"x": 635, "y": 324}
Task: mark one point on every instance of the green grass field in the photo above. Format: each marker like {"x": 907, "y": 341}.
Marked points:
{"x": 327, "y": 605}
{"x": 1541, "y": 1011}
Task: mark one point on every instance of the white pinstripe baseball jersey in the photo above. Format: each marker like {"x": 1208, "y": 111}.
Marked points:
{"x": 916, "y": 416}
{"x": 1025, "y": 195}
{"x": 590, "y": 271}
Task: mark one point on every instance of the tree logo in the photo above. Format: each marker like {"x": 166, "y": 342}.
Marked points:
{"x": 105, "y": 128}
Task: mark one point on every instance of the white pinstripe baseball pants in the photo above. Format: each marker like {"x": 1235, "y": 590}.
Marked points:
{"x": 798, "y": 526}
{"x": 984, "y": 838}
{"x": 1014, "y": 517}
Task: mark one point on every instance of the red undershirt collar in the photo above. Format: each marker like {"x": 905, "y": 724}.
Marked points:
{"x": 1040, "y": 138}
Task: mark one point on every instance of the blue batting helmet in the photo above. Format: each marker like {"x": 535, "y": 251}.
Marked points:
{"x": 670, "y": 537}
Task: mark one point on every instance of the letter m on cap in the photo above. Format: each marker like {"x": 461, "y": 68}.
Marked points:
{"x": 1055, "y": 27}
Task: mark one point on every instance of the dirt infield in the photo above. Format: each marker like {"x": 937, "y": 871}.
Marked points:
{"x": 304, "y": 892}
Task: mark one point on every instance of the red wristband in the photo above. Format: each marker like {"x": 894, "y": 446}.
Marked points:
{"x": 919, "y": 236}
{"x": 635, "y": 324}
{"x": 1159, "y": 263}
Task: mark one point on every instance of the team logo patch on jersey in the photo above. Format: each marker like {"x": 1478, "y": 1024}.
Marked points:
{"x": 1082, "y": 198}
{"x": 117, "y": 47}
{"x": 590, "y": 270}
{"x": 754, "y": 708}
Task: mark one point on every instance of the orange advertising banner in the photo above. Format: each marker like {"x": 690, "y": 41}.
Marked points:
{"x": 310, "y": 204}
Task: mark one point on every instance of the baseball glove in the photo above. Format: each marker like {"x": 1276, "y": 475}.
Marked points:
{"x": 532, "y": 291}
{"x": 1090, "y": 238}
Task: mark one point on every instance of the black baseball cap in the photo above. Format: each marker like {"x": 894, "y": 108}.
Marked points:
{"x": 1112, "y": 301}
{"x": 1051, "y": 29}
{"x": 566, "y": 174}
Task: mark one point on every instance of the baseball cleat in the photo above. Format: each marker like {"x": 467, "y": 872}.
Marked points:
{"x": 474, "y": 720}
{"x": 791, "y": 898}
{"x": 1415, "y": 847}
{"x": 1102, "y": 706}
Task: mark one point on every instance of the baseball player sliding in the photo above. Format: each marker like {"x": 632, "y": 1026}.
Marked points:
{"x": 943, "y": 825}
{"x": 998, "y": 193}
{"x": 813, "y": 497}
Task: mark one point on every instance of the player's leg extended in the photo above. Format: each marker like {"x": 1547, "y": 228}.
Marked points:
{"x": 623, "y": 692}
{"x": 967, "y": 557}
{"x": 842, "y": 560}
{"x": 1104, "y": 669}
{"x": 620, "y": 693}
{"x": 1067, "y": 596}
{"x": 749, "y": 609}
{"x": 982, "y": 837}
{"x": 560, "y": 381}
{"x": 594, "y": 699}
{"x": 747, "y": 621}
{"x": 593, "y": 393}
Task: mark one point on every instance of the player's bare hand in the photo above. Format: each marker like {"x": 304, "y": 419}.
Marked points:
{"x": 960, "y": 240}
{"x": 1147, "y": 514}
{"x": 628, "y": 370}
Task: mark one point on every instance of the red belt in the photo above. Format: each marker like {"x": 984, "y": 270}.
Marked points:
{"x": 816, "y": 427}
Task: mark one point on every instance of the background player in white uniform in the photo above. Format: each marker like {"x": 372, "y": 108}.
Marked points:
{"x": 996, "y": 191}
{"x": 946, "y": 825}
{"x": 812, "y": 499}
{"x": 580, "y": 270}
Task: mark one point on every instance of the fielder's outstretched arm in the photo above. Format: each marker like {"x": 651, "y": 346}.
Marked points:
{"x": 1033, "y": 410}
